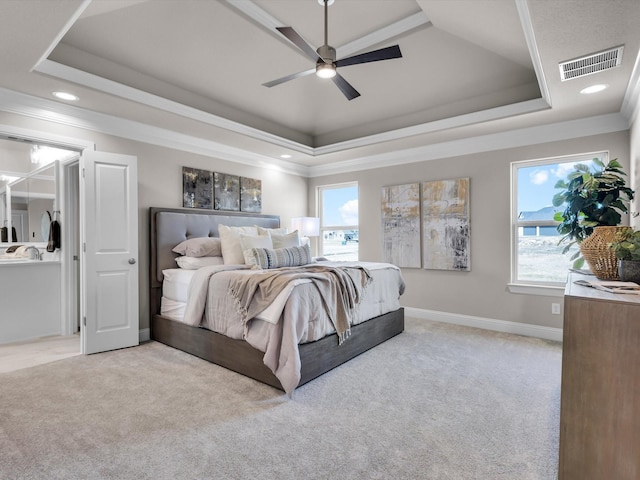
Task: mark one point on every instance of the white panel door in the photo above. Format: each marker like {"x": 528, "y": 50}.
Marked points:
{"x": 109, "y": 274}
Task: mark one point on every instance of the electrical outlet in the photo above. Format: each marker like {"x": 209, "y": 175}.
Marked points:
{"x": 555, "y": 308}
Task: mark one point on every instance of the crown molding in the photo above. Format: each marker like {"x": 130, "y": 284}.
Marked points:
{"x": 631, "y": 100}
{"x": 534, "y": 53}
{"x": 613, "y": 122}
{"x": 514, "y": 109}
{"x": 80, "y": 77}
{"x": 48, "y": 110}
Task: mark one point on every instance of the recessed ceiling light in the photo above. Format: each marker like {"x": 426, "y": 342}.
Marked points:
{"x": 285, "y": 155}
{"x": 65, "y": 96}
{"x": 594, "y": 89}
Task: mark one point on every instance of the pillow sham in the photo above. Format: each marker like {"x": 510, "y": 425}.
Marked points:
{"x": 270, "y": 231}
{"x": 230, "y": 242}
{"x": 249, "y": 242}
{"x": 287, "y": 240}
{"x": 200, "y": 247}
{"x": 281, "y": 257}
{"x": 194, "y": 263}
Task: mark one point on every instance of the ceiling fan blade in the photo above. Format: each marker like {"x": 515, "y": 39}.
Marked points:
{"x": 374, "y": 56}
{"x": 293, "y": 76}
{"x": 345, "y": 87}
{"x": 299, "y": 42}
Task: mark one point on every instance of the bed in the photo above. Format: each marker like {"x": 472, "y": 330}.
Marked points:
{"x": 170, "y": 227}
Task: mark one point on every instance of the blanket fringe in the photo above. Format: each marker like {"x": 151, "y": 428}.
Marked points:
{"x": 240, "y": 310}
{"x": 343, "y": 336}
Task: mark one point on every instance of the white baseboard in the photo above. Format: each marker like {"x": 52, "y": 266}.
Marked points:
{"x": 548, "y": 333}
{"x": 144, "y": 335}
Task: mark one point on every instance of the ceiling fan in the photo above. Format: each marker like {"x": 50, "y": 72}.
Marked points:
{"x": 325, "y": 58}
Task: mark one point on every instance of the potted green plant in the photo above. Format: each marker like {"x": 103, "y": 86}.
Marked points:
{"x": 594, "y": 199}
{"x": 626, "y": 247}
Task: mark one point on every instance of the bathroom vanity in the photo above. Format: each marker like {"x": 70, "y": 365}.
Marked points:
{"x": 30, "y": 299}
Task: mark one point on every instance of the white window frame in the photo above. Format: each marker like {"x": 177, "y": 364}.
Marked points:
{"x": 332, "y": 228}
{"x": 533, "y": 287}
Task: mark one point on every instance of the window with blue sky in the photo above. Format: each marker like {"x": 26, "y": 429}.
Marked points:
{"x": 338, "y": 212}
{"x": 537, "y": 255}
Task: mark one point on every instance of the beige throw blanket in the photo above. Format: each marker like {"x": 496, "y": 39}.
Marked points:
{"x": 341, "y": 289}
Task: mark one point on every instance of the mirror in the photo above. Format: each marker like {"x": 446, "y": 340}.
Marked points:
{"x": 31, "y": 198}
{"x": 28, "y": 189}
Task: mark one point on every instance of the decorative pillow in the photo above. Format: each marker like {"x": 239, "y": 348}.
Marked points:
{"x": 200, "y": 247}
{"x": 231, "y": 248}
{"x": 250, "y": 242}
{"x": 194, "y": 263}
{"x": 270, "y": 231}
{"x": 282, "y": 257}
{"x": 285, "y": 241}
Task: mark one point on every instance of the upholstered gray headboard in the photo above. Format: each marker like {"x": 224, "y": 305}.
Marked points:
{"x": 170, "y": 226}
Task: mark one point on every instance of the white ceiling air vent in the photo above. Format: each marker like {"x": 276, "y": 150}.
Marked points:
{"x": 594, "y": 63}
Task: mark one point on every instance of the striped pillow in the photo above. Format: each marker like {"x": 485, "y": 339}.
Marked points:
{"x": 282, "y": 257}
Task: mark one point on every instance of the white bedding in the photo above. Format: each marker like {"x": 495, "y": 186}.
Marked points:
{"x": 298, "y": 316}
{"x": 176, "y": 284}
{"x": 175, "y": 290}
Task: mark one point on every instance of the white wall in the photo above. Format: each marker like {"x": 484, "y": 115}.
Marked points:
{"x": 634, "y": 142}
{"x": 160, "y": 183}
{"x": 482, "y": 292}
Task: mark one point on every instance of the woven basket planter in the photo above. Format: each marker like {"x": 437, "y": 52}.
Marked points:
{"x": 595, "y": 250}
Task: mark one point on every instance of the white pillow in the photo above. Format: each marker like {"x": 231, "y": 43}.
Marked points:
{"x": 231, "y": 247}
{"x": 194, "y": 263}
{"x": 269, "y": 231}
{"x": 285, "y": 241}
{"x": 250, "y": 241}
{"x": 200, "y": 247}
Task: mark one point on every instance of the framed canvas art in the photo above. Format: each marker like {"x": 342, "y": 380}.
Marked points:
{"x": 226, "y": 192}
{"x": 401, "y": 225}
{"x": 445, "y": 225}
{"x": 197, "y": 188}
{"x": 250, "y": 195}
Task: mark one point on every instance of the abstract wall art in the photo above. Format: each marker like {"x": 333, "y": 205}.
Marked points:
{"x": 197, "y": 188}
{"x": 401, "y": 225}
{"x": 445, "y": 225}
{"x": 250, "y": 195}
{"x": 226, "y": 192}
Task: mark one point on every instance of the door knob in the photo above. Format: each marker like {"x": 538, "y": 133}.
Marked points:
{"x": 132, "y": 261}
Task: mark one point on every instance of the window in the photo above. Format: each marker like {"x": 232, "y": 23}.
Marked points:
{"x": 338, "y": 205}
{"x": 537, "y": 257}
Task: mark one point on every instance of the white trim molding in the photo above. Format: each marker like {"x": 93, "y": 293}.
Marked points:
{"x": 49, "y": 110}
{"x": 144, "y": 335}
{"x": 543, "y": 290}
{"x": 525, "y": 329}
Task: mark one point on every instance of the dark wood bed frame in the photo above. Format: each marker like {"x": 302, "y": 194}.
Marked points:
{"x": 316, "y": 357}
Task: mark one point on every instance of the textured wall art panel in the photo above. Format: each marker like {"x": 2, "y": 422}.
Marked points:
{"x": 226, "y": 192}
{"x": 445, "y": 225}
{"x": 197, "y": 188}
{"x": 401, "y": 225}
{"x": 250, "y": 195}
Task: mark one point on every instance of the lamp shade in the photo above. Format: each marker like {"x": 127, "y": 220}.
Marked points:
{"x": 307, "y": 226}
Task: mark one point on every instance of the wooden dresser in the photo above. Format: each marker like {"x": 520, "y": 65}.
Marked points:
{"x": 600, "y": 396}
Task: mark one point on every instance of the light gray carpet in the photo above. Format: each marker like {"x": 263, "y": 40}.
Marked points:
{"x": 436, "y": 402}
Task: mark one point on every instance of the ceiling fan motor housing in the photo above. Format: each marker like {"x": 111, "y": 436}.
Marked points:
{"x": 327, "y": 53}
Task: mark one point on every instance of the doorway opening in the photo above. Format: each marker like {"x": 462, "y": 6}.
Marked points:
{"x": 26, "y": 164}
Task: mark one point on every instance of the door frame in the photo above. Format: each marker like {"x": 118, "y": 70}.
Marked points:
{"x": 70, "y": 263}
{"x": 66, "y": 197}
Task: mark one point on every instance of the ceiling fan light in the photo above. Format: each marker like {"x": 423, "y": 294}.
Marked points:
{"x": 325, "y": 70}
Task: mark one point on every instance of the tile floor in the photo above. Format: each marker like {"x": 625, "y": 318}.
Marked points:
{"x": 15, "y": 356}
